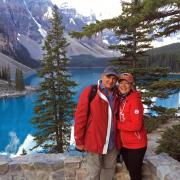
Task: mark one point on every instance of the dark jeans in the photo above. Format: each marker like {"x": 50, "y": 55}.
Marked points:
{"x": 133, "y": 159}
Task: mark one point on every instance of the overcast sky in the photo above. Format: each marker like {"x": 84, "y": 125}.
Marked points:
{"x": 102, "y": 8}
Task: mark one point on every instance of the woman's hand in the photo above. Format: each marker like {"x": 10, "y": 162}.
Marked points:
{"x": 80, "y": 148}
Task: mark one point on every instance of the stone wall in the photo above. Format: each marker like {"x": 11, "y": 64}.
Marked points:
{"x": 161, "y": 167}
{"x": 70, "y": 167}
{"x": 42, "y": 167}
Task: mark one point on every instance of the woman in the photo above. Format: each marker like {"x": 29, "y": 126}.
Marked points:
{"x": 131, "y": 126}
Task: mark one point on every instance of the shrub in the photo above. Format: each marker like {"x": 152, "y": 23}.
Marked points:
{"x": 164, "y": 114}
{"x": 154, "y": 122}
{"x": 170, "y": 142}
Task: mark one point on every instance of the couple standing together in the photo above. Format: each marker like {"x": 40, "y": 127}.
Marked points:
{"x": 111, "y": 122}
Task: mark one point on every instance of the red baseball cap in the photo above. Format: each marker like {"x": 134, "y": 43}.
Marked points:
{"x": 127, "y": 77}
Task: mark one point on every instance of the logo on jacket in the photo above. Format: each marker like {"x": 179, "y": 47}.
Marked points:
{"x": 136, "y": 111}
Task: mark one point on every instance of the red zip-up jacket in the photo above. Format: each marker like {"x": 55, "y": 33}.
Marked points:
{"x": 93, "y": 131}
{"x": 130, "y": 124}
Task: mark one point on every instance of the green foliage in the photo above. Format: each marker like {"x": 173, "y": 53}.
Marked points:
{"x": 164, "y": 114}
{"x": 152, "y": 123}
{"x": 99, "y": 26}
{"x": 19, "y": 80}
{"x": 9, "y": 76}
{"x": 5, "y": 74}
{"x": 162, "y": 84}
{"x": 167, "y": 56}
{"x": 163, "y": 13}
{"x": 54, "y": 107}
{"x": 169, "y": 142}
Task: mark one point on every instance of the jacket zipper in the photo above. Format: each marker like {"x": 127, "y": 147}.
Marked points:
{"x": 137, "y": 134}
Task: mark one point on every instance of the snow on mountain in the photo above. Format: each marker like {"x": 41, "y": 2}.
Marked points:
{"x": 72, "y": 21}
{"x": 40, "y": 29}
{"x": 105, "y": 41}
{"x": 102, "y": 9}
{"x": 163, "y": 41}
{"x": 48, "y": 14}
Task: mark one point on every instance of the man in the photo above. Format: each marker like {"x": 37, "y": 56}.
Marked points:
{"x": 95, "y": 127}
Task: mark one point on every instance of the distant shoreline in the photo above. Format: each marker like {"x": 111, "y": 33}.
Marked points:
{"x": 28, "y": 90}
{"x": 174, "y": 73}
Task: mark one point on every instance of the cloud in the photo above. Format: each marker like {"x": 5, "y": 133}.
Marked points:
{"x": 102, "y": 9}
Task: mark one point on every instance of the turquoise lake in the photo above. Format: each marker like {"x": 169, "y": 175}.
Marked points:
{"x": 16, "y": 112}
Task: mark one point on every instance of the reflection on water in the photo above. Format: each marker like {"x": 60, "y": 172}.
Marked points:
{"x": 11, "y": 148}
{"x": 16, "y": 113}
{"x": 15, "y": 117}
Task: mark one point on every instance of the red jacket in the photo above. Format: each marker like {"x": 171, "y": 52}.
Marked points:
{"x": 93, "y": 132}
{"x": 132, "y": 131}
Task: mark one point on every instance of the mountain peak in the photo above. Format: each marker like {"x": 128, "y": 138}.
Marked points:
{"x": 99, "y": 8}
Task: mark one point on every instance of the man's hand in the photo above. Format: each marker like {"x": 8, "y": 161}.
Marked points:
{"x": 80, "y": 148}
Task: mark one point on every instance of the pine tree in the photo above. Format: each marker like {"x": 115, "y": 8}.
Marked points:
{"x": 164, "y": 14}
{"x": 1, "y": 73}
{"x": 9, "y": 76}
{"x": 54, "y": 107}
{"x": 134, "y": 36}
{"x": 19, "y": 80}
{"x": 4, "y": 73}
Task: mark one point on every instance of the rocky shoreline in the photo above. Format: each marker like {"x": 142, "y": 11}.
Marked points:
{"x": 7, "y": 91}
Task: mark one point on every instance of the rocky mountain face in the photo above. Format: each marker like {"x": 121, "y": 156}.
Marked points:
{"x": 15, "y": 20}
{"x": 24, "y": 25}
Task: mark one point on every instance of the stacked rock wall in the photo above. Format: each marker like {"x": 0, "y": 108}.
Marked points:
{"x": 68, "y": 167}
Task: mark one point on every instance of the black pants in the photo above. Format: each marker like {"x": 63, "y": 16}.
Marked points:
{"x": 133, "y": 159}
